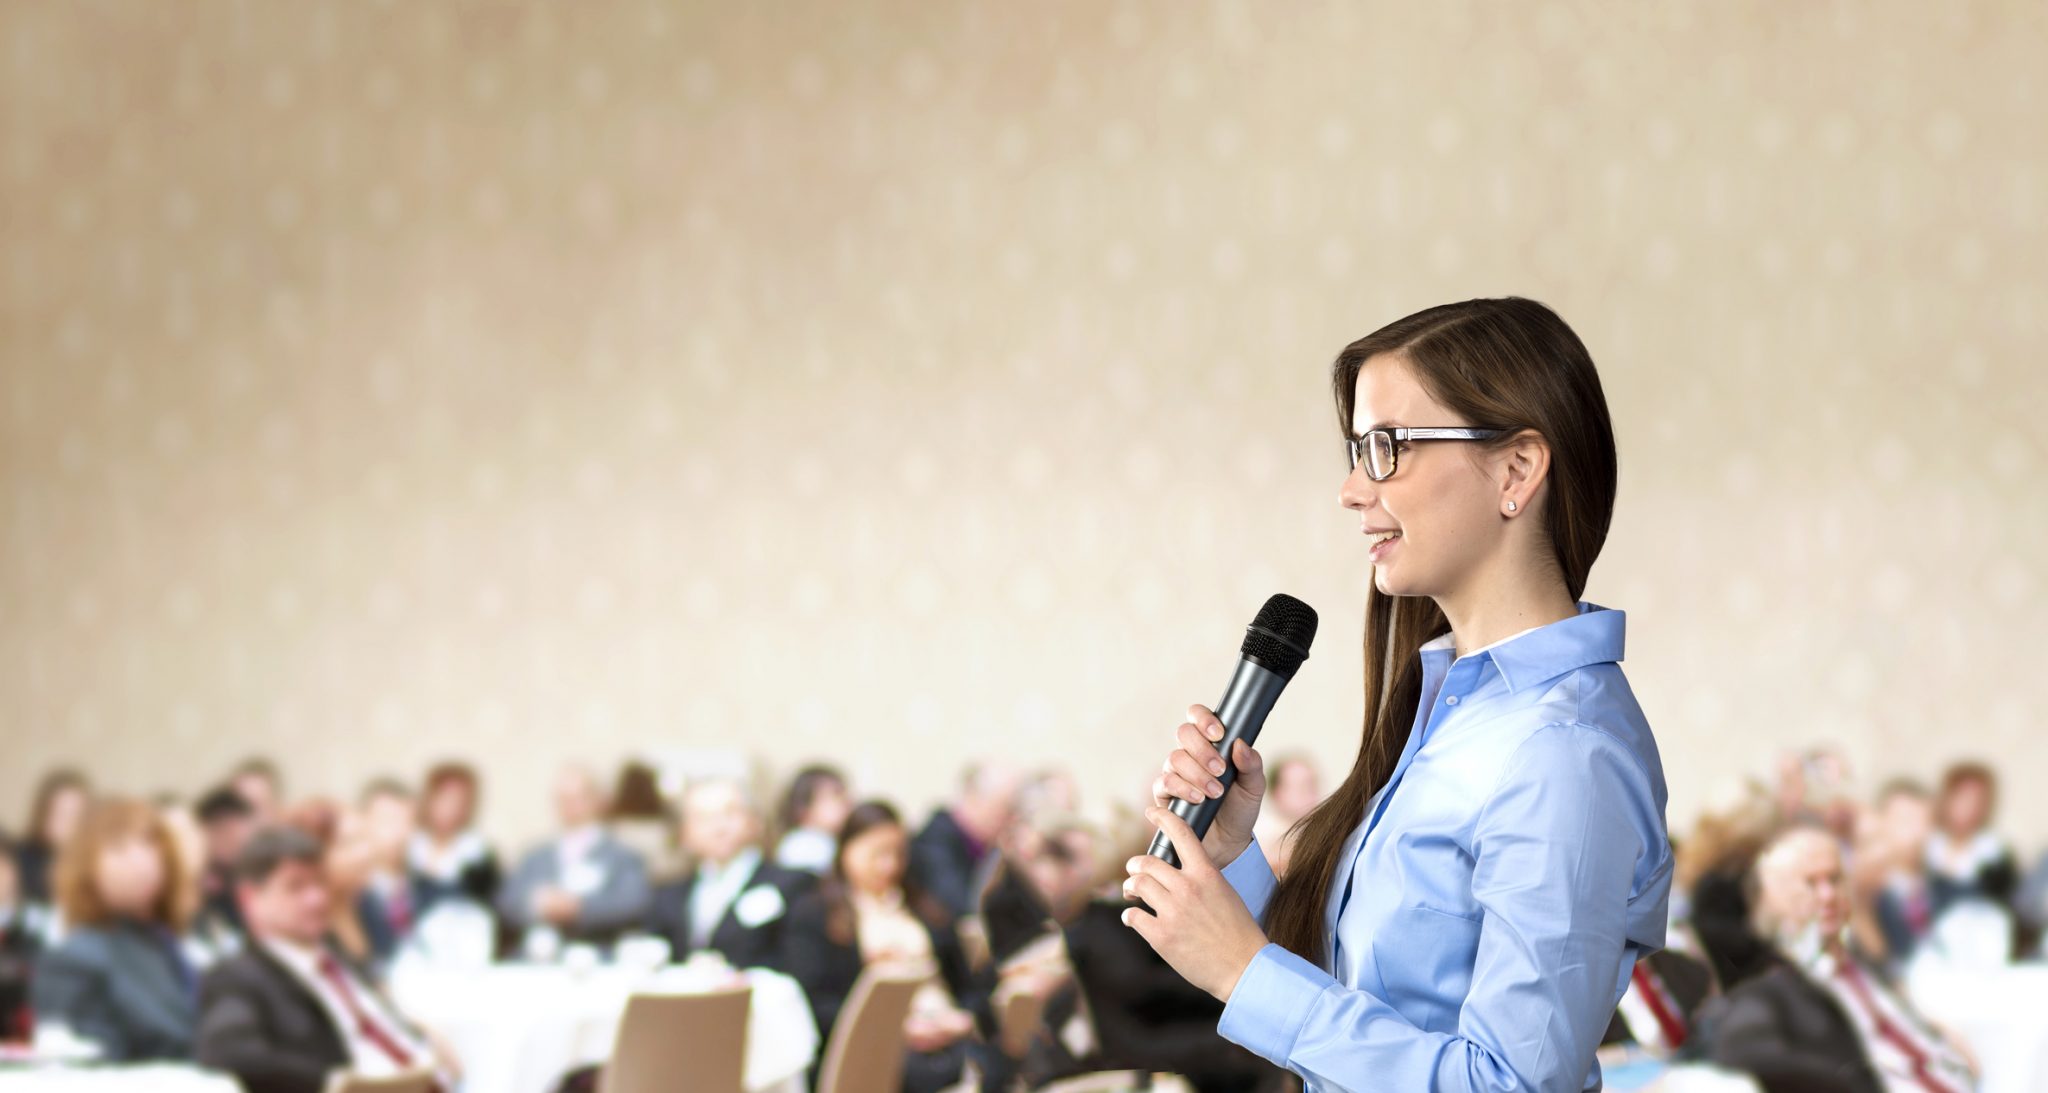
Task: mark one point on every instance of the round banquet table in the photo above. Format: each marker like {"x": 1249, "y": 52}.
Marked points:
{"x": 1998, "y": 1011}
{"x": 162, "y": 1078}
{"x": 517, "y": 1028}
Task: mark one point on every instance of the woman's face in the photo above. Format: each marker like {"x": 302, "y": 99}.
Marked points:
{"x": 448, "y": 808}
{"x": 67, "y": 807}
{"x": 1967, "y": 807}
{"x": 874, "y": 860}
{"x": 829, "y": 808}
{"x": 1442, "y": 505}
{"x": 130, "y": 874}
{"x": 352, "y": 857}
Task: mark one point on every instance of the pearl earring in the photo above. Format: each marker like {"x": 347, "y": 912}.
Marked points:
{"x": 1511, "y": 506}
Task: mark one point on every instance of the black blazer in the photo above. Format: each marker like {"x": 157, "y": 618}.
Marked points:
{"x": 749, "y": 934}
{"x": 258, "y": 1022}
{"x": 125, "y": 986}
{"x": 943, "y": 861}
{"x": 827, "y": 969}
{"x": 20, "y": 943}
{"x": 1146, "y": 1016}
{"x": 1788, "y": 1033}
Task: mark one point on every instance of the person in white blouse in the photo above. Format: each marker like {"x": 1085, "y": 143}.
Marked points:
{"x": 289, "y": 1012}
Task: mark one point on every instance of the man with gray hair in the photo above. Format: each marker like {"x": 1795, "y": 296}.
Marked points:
{"x": 1821, "y": 1018}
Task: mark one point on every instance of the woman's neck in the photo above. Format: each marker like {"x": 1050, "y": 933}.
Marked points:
{"x": 1501, "y": 608}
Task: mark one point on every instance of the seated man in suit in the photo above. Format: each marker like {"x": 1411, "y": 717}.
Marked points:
{"x": 227, "y": 821}
{"x": 955, "y": 855}
{"x": 286, "y": 1012}
{"x": 733, "y": 901}
{"x": 1822, "y": 1019}
{"x": 585, "y": 885}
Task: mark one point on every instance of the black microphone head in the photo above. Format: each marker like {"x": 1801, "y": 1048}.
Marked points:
{"x": 1281, "y": 634}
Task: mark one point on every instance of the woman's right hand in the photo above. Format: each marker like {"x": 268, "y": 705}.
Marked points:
{"x": 1192, "y": 773}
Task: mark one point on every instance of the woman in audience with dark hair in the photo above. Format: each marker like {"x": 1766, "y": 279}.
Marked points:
{"x": 813, "y": 810}
{"x": 866, "y": 913}
{"x": 60, "y": 802}
{"x": 120, "y": 976}
{"x": 448, "y": 858}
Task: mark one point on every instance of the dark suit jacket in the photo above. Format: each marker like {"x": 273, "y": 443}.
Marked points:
{"x": 827, "y": 969}
{"x": 125, "y": 986}
{"x": 1146, "y": 1016}
{"x": 258, "y": 1022}
{"x": 1787, "y": 1031}
{"x": 743, "y": 946}
{"x": 20, "y": 944}
{"x": 947, "y": 863}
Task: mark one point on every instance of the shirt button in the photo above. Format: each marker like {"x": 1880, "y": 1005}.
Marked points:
{"x": 1451, "y": 701}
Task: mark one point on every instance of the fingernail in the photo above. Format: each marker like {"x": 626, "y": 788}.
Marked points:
{"x": 1215, "y": 733}
{"x": 1216, "y": 767}
{"x": 1131, "y": 866}
{"x": 1215, "y": 789}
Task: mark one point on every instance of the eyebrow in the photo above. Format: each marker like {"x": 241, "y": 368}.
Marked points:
{"x": 1378, "y": 425}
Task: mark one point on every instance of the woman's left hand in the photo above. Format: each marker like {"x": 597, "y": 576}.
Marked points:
{"x": 1200, "y": 924}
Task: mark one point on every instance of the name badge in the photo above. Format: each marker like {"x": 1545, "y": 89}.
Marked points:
{"x": 758, "y": 906}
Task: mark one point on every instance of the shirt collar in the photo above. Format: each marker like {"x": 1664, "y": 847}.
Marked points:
{"x": 1593, "y": 636}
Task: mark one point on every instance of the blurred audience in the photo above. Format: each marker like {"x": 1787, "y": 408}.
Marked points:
{"x": 261, "y": 784}
{"x": 225, "y": 823}
{"x": 870, "y": 912}
{"x": 447, "y": 857}
{"x": 813, "y": 810}
{"x": 732, "y": 901}
{"x": 59, "y": 804}
{"x": 640, "y": 816}
{"x": 954, "y": 855}
{"x": 387, "y": 905}
{"x": 1293, "y": 790}
{"x": 1821, "y": 1018}
{"x": 23, "y": 929}
{"x": 1891, "y": 866}
{"x": 120, "y": 976}
{"x": 582, "y": 886}
{"x": 1966, "y": 859}
{"x": 289, "y": 1012}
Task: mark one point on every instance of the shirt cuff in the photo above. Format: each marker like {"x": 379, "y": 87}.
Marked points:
{"x": 1271, "y": 1003}
{"x": 1251, "y": 876}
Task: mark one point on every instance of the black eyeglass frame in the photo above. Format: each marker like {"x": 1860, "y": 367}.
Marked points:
{"x": 1360, "y": 444}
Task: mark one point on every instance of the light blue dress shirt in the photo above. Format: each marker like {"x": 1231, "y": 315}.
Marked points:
{"x": 1489, "y": 907}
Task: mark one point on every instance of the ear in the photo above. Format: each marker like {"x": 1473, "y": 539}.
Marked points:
{"x": 1523, "y": 466}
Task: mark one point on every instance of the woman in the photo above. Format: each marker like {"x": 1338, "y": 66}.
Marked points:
{"x": 60, "y": 801}
{"x": 1966, "y": 859}
{"x": 813, "y": 810}
{"x": 448, "y": 858}
{"x": 1464, "y": 911}
{"x": 120, "y": 977}
{"x": 350, "y": 856}
{"x": 866, "y": 912}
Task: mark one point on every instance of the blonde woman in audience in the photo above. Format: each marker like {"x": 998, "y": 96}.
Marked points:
{"x": 121, "y": 977}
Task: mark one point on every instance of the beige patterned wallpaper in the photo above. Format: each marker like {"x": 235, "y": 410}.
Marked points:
{"x": 898, "y": 382}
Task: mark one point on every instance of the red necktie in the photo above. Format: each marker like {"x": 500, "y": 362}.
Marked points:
{"x": 367, "y": 1026}
{"x": 1898, "y": 1038}
{"x": 1661, "y": 1007}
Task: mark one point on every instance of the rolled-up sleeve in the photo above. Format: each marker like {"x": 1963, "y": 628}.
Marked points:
{"x": 1557, "y": 847}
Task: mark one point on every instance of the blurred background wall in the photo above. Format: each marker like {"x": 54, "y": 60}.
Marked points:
{"x": 903, "y": 382}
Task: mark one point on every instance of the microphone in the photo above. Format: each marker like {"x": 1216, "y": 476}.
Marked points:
{"x": 1275, "y": 644}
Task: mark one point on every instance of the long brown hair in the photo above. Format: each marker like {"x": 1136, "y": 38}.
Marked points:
{"x": 1503, "y": 363}
{"x": 837, "y": 894}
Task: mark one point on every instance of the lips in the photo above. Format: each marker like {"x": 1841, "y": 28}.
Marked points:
{"x": 1381, "y": 542}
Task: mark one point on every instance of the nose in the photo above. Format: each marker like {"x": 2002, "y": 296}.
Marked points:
{"x": 1359, "y": 491}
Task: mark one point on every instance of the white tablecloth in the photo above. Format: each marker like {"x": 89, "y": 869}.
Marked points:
{"x": 2000, "y": 1012}
{"x": 124, "y": 1079}
{"x": 518, "y": 1027}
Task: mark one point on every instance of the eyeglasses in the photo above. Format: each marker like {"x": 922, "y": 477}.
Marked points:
{"x": 1380, "y": 448}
